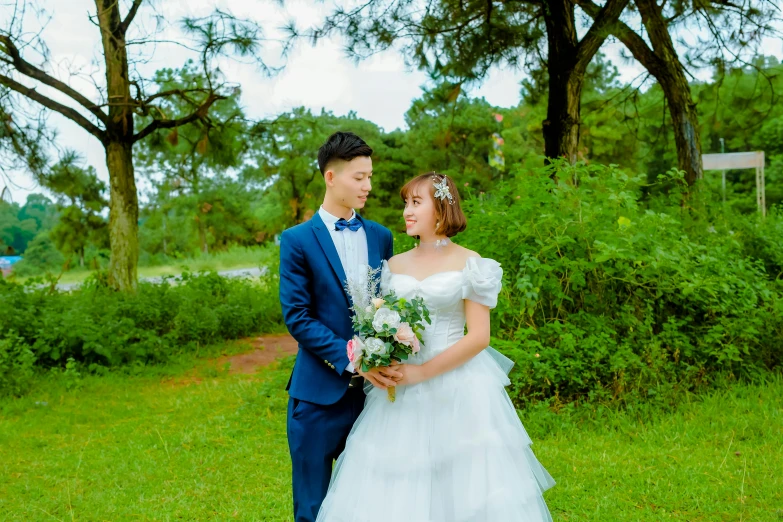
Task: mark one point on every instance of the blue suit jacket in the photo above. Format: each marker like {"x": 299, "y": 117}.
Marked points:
{"x": 316, "y": 306}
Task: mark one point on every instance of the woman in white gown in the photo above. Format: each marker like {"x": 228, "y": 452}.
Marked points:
{"x": 451, "y": 448}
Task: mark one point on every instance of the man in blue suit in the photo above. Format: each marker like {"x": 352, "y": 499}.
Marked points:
{"x": 316, "y": 258}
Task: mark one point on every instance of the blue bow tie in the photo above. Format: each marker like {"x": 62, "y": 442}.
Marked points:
{"x": 352, "y": 225}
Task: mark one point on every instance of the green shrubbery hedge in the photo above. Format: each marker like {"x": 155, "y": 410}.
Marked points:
{"x": 98, "y": 327}
{"x": 613, "y": 290}
{"x": 610, "y": 291}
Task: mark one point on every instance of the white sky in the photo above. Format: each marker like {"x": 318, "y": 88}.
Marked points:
{"x": 380, "y": 89}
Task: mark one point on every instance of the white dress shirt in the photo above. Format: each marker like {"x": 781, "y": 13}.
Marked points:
{"x": 351, "y": 248}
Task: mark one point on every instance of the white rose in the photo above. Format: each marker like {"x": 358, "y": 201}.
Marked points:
{"x": 370, "y": 309}
{"x": 385, "y": 316}
{"x": 373, "y": 346}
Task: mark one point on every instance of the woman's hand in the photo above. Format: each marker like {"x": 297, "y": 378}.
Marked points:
{"x": 382, "y": 377}
{"x": 412, "y": 374}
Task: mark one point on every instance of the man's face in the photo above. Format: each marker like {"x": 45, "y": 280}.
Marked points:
{"x": 350, "y": 181}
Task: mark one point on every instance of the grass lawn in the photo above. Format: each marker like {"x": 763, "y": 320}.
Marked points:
{"x": 213, "y": 447}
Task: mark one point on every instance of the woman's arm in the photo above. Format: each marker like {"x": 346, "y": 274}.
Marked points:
{"x": 465, "y": 349}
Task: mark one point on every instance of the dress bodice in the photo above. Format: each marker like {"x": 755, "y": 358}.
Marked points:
{"x": 444, "y": 294}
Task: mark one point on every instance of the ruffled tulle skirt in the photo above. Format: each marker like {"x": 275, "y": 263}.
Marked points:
{"x": 451, "y": 449}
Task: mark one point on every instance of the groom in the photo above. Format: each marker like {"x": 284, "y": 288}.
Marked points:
{"x": 316, "y": 257}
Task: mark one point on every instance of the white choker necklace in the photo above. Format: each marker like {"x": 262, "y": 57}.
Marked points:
{"x": 435, "y": 245}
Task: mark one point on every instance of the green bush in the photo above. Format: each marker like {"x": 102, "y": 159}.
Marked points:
{"x": 98, "y": 327}
{"x": 40, "y": 257}
{"x": 762, "y": 240}
{"x": 16, "y": 365}
{"x": 608, "y": 295}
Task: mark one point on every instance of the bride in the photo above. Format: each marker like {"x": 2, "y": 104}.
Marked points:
{"x": 451, "y": 448}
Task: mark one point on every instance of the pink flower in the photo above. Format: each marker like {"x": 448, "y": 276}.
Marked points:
{"x": 405, "y": 334}
{"x": 354, "y": 350}
{"x": 415, "y": 345}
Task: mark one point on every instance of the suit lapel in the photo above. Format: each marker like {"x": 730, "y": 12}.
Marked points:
{"x": 327, "y": 245}
{"x": 373, "y": 250}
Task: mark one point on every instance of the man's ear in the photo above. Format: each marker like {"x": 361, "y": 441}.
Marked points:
{"x": 329, "y": 176}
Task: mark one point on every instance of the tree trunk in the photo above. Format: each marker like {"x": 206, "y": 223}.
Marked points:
{"x": 561, "y": 127}
{"x": 123, "y": 217}
{"x": 200, "y": 212}
{"x": 685, "y": 122}
{"x": 165, "y": 243}
{"x": 670, "y": 73}
{"x": 662, "y": 62}
{"x": 124, "y": 205}
{"x": 202, "y": 235}
{"x": 81, "y": 257}
{"x": 118, "y": 137}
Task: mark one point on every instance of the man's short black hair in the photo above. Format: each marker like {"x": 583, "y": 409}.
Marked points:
{"x": 344, "y": 146}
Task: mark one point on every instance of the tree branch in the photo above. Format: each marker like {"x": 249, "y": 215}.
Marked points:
{"x": 198, "y": 114}
{"x": 635, "y": 43}
{"x": 173, "y": 92}
{"x": 123, "y": 28}
{"x": 68, "y": 112}
{"x": 727, "y": 3}
{"x": 31, "y": 71}
{"x": 608, "y": 15}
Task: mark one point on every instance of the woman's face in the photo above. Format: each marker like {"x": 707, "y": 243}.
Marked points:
{"x": 420, "y": 216}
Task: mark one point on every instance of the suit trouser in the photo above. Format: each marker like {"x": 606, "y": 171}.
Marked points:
{"x": 316, "y": 437}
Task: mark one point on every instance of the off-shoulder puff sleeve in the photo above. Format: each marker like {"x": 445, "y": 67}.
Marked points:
{"x": 482, "y": 281}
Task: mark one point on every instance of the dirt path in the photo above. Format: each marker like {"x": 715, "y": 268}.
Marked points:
{"x": 259, "y": 352}
{"x": 267, "y": 349}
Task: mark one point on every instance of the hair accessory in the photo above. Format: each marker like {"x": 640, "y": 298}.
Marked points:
{"x": 442, "y": 189}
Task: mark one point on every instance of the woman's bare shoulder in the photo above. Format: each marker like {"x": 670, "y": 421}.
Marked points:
{"x": 397, "y": 261}
{"x": 465, "y": 253}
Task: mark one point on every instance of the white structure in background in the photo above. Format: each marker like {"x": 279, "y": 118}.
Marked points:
{"x": 741, "y": 160}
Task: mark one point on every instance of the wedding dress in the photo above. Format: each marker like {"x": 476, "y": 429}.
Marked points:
{"x": 450, "y": 449}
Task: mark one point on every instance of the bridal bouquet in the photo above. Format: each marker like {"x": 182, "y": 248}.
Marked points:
{"x": 388, "y": 329}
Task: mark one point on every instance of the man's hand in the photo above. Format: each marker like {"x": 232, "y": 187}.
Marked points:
{"x": 382, "y": 377}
